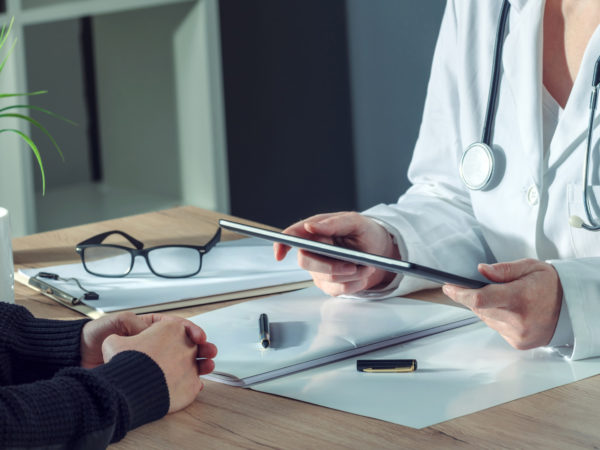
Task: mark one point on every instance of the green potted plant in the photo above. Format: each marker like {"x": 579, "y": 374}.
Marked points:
{"x": 13, "y": 111}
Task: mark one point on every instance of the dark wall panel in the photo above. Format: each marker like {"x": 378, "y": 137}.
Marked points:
{"x": 287, "y": 101}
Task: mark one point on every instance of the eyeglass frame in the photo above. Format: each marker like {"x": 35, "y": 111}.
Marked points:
{"x": 139, "y": 250}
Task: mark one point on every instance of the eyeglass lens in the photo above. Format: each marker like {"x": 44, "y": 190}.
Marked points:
{"x": 107, "y": 260}
{"x": 175, "y": 261}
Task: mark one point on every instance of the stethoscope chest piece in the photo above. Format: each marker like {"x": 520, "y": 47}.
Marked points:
{"x": 477, "y": 166}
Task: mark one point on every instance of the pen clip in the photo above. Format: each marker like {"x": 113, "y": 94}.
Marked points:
{"x": 264, "y": 331}
{"x": 386, "y": 365}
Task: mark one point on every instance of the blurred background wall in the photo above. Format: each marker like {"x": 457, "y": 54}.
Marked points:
{"x": 322, "y": 102}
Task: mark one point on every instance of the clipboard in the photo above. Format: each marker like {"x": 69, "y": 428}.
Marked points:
{"x": 354, "y": 256}
{"x": 66, "y": 299}
{"x": 58, "y": 295}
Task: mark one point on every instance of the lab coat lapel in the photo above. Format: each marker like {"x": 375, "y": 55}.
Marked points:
{"x": 522, "y": 64}
{"x": 572, "y": 128}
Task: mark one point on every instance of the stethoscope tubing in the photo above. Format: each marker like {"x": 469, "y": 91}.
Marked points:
{"x": 593, "y": 224}
{"x": 486, "y": 135}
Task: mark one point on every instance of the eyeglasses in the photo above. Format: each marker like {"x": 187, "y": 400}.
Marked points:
{"x": 168, "y": 261}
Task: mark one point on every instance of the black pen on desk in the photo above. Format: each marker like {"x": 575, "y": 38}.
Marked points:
{"x": 264, "y": 330}
{"x": 386, "y": 365}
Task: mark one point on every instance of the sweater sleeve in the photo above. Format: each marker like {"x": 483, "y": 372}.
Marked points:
{"x": 47, "y": 401}
{"x": 32, "y": 348}
{"x": 84, "y": 409}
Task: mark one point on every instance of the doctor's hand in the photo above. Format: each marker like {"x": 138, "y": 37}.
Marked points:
{"x": 346, "y": 229}
{"x": 524, "y": 308}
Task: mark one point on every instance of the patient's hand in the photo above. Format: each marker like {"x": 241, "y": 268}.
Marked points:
{"x": 180, "y": 349}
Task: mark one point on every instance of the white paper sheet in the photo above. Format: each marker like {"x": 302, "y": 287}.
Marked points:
{"x": 307, "y": 325}
{"x": 230, "y": 266}
{"x": 459, "y": 372}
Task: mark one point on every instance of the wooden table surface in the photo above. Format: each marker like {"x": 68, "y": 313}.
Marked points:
{"x": 228, "y": 417}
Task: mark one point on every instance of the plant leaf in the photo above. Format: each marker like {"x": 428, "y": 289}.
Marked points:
{"x": 35, "y": 150}
{"x": 37, "y": 108}
{"x": 23, "y": 94}
{"x": 2, "y": 32}
{"x": 3, "y": 35}
{"x": 37, "y": 125}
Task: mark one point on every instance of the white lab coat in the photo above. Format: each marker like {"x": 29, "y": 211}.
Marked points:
{"x": 440, "y": 223}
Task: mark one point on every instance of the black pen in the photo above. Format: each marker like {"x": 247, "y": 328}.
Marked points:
{"x": 265, "y": 332}
{"x": 386, "y": 365}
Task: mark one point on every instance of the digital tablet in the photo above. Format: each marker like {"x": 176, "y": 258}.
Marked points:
{"x": 355, "y": 256}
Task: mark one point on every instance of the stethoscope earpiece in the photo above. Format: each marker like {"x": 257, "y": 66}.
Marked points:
{"x": 576, "y": 221}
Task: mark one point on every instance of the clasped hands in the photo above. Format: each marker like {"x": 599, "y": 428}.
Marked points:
{"x": 178, "y": 346}
{"x": 523, "y": 306}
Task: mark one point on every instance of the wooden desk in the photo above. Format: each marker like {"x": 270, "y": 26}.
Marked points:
{"x": 228, "y": 417}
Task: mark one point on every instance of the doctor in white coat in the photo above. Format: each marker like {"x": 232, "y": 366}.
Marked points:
{"x": 517, "y": 230}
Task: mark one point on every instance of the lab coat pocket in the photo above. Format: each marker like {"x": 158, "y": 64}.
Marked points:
{"x": 585, "y": 243}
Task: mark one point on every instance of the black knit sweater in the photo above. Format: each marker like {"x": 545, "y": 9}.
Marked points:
{"x": 47, "y": 401}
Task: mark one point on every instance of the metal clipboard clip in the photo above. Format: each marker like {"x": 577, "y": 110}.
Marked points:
{"x": 62, "y": 296}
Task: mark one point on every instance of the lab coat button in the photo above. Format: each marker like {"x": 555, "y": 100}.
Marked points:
{"x": 533, "y": 196}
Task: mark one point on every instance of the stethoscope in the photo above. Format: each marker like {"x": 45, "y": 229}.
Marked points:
{"x": 477, "y": 164}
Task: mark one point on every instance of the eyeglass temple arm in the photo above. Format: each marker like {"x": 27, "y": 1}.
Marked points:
{"x": 100, "y": 237}
{"x": 213, "y": 241}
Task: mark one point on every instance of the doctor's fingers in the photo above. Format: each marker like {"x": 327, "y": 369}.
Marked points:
{"x": 491, "y": 296}
{"x": 322, "y": 264}
{"x": 343, "y": 224}
{"x": 336, "y": 289}
{"x": 514, "y": 270}
{"x": 506, "y": 321}
{"x": 508, "y": 309}
{"x": 298, "y": 229}
{"x": 362, "y": 272}
{"x": 518, "y": 331}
